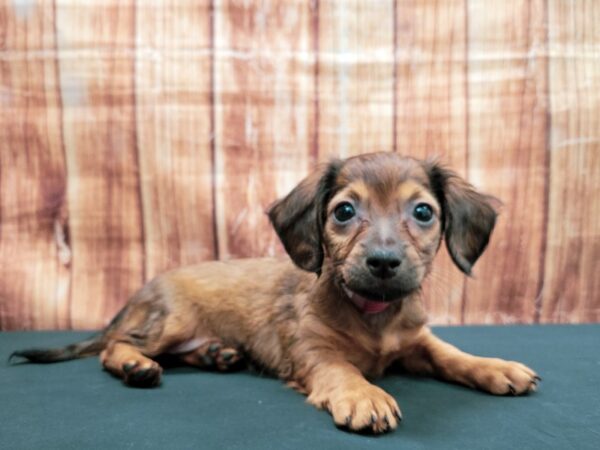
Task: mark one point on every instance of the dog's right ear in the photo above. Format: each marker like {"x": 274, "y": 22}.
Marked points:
{"x": 298, "y": 217}
{"x": 468, "y": 216}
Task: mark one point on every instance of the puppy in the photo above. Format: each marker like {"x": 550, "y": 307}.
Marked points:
{"x": 361, "y": 235}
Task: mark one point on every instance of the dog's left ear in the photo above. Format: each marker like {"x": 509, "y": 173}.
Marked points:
{"x": 468, "y": 216}
{"x": 298, "y": 217}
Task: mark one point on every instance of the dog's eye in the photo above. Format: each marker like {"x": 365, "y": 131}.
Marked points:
{"x": 423, "y": 212}
{"x": 344, "y": 212}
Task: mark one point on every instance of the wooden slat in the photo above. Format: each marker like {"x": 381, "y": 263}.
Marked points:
{"x": 431, "y": 119}
{"x": 571, "y": 291}
{"x": 356, "y": 83}
{"x": 34, "y": 253}
{"x": 96, "y": 49}
{"x": 507, "y": 154}
{"x": 173, "y": 98}
{"x": 264, "y": 68}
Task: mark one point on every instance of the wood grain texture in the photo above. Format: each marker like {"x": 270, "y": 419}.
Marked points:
{"x": 264, "y": 116}
{"x": 356, "y": 81}
{"x": 96, "y": 79}
{"x": 507, "y": 153}
{"x": 431, "y": 115}
{"x": 34, "y": 252}
{"x": 173, "y": 112}
{"x": 571, "y": 291}
{"x": 136, "y": 136}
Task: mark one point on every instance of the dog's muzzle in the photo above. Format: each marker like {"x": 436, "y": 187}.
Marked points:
{"x": 365, "y": 305}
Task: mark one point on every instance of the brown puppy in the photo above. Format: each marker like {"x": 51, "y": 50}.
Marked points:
{"x": 362, "y": 234}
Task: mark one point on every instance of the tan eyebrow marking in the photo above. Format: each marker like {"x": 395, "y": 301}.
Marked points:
{"x": 358, "y": 190}
{"x": 408, "y": 190}
{"x": 411, "y": 190}
{"x": 419, "y": 193}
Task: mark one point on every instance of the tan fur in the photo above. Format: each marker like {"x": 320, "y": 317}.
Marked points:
{"x": 301, "y": 326}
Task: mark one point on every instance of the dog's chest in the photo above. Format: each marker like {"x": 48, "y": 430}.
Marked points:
{"x": 379, "y": 352}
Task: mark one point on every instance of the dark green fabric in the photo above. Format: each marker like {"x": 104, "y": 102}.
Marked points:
{"x": 75, "y": 405}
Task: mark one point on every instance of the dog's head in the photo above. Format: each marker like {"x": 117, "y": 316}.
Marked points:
{"x": 377, "y": 221}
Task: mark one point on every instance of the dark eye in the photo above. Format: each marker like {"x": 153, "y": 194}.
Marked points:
{"x": 344, "y": 212}
{"x": 423, "y": 212}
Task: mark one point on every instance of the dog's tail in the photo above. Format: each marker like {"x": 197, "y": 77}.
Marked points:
{"x": 92, "y": 346}
{"x": 89, "y": 347}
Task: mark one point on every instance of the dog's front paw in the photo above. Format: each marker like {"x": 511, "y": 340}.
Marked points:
{"x": 368, "y": 408}
{"x": 501, "y": 377}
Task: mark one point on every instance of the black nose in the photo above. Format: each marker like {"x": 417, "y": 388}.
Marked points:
{"x": 383, "y": 264}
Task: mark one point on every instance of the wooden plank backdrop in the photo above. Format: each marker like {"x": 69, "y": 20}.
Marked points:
{"x": 137, "y": 136}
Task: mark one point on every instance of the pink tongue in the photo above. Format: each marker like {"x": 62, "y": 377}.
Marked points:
{"x": 371, "y": 307}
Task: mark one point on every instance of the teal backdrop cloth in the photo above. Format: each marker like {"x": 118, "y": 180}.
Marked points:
{"x": 77, "y": 405}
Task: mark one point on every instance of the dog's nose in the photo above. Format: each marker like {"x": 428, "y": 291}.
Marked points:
{"x": 383, "y": 264}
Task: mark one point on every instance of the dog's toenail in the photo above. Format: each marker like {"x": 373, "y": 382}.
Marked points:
{"x": 373, "y": 419}
{"x": 214, "y": 348}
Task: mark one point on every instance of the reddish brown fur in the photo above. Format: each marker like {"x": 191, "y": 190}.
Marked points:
{"x": 300, "y": 324}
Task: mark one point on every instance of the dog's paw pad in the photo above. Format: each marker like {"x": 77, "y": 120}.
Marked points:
{"x": 142, "y": 375}
{"x": 206, "y": 360}
{"x": 215, "y": 356}
{"x": 228, "y": 359}
{"x": 129, "y": 366}
{"x": 214, "y": 348}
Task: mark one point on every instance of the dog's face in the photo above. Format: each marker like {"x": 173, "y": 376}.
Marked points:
{"x": 377, "y": 221}
{"x": 382, "y": 228}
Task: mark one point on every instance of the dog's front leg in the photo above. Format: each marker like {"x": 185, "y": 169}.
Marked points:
{"x": 432, "y": 356}
{"x": 353, "y": 402}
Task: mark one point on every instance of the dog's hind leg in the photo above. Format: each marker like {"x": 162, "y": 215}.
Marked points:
{"x": 127, "y": 362}
{"x": 213, "y": 354}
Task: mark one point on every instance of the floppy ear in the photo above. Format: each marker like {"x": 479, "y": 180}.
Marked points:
{"x": 298, "y": 218}
{"x": 468, "y": 216}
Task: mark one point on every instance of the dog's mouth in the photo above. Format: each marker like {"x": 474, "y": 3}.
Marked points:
{"x": 367, "y": 305}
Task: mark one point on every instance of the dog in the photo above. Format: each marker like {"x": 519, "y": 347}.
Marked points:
{"x": 361, "y": 235}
